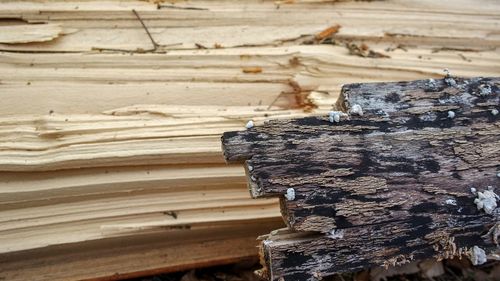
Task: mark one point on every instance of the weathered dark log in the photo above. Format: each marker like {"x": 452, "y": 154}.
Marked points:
{"x": 403, "y": 105}
{"x": 306, "y": 256}
{"x": 402, "y": 169}
{"x": 406, "y": 157}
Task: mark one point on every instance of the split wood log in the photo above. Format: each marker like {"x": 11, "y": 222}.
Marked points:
{"x": 75, "y": 188}
{"x": 215, "y": 24}
{"x": 306, "y": 256}
{"x": 413, "y": 156}
{"x": 144, "y": 134}
{"x": 291, "y": 77}
{"x": 137, "y": 255}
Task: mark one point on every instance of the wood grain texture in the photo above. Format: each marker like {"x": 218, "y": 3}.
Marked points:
{"x": 403, "y": 155}
{"x": 216, "y": 23}
{"x": 91, "y": 83}
{"x": 306, "y": 256}
{"x": 137, "y": 255}
{"x": 400, "y": 172}
{"x": 145, "y": 134}
{"x": 105, "y": 136}
{"x": 26, "y": 33}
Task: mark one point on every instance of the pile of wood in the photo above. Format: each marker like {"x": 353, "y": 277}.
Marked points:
{"x": 110, "y": 189}
{"x": 403, "y": 171}
{"x": 111, "y": 115}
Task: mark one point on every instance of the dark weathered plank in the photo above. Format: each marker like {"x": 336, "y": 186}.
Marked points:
{"x": 300, "y": 256}
{"x": 402, "y": 176}
{"x": 412, "y": 105}
{"x": 379, "y": 167}
{"x": 365, "y": 179}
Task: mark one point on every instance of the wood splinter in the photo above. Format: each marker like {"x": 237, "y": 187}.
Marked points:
{"x": 410, "y": 173}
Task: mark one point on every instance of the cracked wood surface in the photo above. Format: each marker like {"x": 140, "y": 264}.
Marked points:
{"x": 91, "y": 83}
{"x": 100, "y": 129}
{"x": 137, "y": 256}
{"x": 232, "y": 24}
{"x": 405, "y": 164}
{"x": 306, "y": 256}
{"x": 206, "y": 63}
{"x": 145, "y": 134}
{"x": 404, "y": 155}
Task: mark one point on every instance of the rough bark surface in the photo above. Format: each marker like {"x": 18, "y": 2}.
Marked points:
{"x": 404, "y": 156}
{"x": 404, "y": 164}
{"x": 306, "y": 256}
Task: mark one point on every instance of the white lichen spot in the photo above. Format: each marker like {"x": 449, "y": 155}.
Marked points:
{"x": 486, "y": 200}
{"x": 431, "y": 83}
{"x": 253, "y": 178}
{"x": 356, "y": 109}
{"x": 451, "y": 202}
{"x": 450, "y": 81}
{"x": 451, "y": 114}
{"x": 290, "y": 194}
{"x": 494, "y": 112}
{"x": 336, "y": 234}
{"x": 484, "y": 90}
{"x": 473, "y": 190}
{"x": 477, "y": 256}
{"x": 498, "y": 175}
{"x": 250, "y": 168}
{"x": 334, "y": 116}
{"x": 249, "y": 124}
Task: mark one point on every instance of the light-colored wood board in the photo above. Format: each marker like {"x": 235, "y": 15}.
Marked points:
{"x": 33, "y": 189}
{"x": 26, "y": 33}
{"x": 143, "y": 134}
{"x": 74, "y": 231}
{"x": 258, "y": 23}
{"x": 66, "y": 97}
{"x": 135, "y": 256}
{"x": 92, "y": 83}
